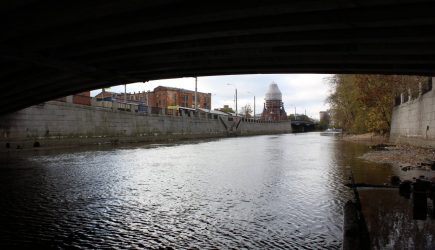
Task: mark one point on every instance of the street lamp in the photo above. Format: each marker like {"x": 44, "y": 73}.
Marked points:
{"x": 196, "y": 94}
{"x": 236, "y": 95}
{"x": 254, "y": 102}
{"x": 291, "y": 105}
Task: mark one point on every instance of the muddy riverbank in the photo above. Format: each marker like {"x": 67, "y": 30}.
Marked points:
{"x": 366, "y": 139}
{"x": 387, "y": 153}
{"x": 391, "y": 219}
{"x": 400, "y": 155}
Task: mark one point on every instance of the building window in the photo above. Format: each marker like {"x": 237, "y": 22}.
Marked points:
{"x": 185, "y": 100}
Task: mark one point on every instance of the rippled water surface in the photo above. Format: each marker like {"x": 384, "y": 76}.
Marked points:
{"x": 282, "y": 191}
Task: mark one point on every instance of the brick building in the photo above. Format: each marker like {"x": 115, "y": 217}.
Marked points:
{"x": 83, "y": 98}
{"x": 164, "y": 97}
{"x": 161, "y": 97}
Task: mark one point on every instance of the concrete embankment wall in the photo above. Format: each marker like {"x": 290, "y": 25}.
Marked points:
{"x": 413, "y": 122}
{"x": 62, "y": 124}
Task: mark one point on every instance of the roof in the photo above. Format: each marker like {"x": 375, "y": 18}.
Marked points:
{"x": 177, "y": 89}
{"x": 171, "y": 88}
{"x": 105, "y": 94}
{"x": 216, "y": 112}
{"x": 186, "y": 108}
{"x": 273, "y": 93}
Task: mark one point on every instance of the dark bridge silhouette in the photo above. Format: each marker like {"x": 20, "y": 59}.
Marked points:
{"x": 302, "y": 126}
{"x": 55, "y": 48}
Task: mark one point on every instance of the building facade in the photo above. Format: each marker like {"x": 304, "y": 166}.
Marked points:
{"x": 164, "y": 97}
{"x": 324, "y": 116}
{"x": 161, "y": 97}
{"x": 83, "y": 98}
{"x": 273, "y": 109}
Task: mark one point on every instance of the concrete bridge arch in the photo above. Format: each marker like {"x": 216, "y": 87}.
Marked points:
{"x": 54, "y": 48}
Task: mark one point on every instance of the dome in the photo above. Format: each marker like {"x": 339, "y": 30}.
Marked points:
{"x": 273, "y": 93}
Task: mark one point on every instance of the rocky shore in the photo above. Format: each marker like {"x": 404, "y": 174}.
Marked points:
{"x": 367, "y": 139}
{"x": 403, "y": 206}
{"x": 400, "y": 155}
{"x": 405, "y": 157}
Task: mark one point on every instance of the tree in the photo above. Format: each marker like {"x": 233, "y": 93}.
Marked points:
{"x": 323, "y": 125}
{"x": 304, "y": 117}
{"x": 246, "y": 111}
{"x": 226, "y": 109}
{"x": 364, "y": 103}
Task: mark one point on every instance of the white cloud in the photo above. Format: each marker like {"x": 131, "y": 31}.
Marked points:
{"x": 303, "y": 91}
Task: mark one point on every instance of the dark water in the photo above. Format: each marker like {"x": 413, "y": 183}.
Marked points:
{"x": 283, "y": 191}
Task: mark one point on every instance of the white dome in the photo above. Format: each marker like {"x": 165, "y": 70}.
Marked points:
{"x": 273, "y": 93}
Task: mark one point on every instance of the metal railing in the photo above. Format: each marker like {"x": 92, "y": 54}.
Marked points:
{"x": 424, "y": 88}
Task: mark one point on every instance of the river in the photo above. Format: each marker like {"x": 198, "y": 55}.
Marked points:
{"x": 276, "y": 191}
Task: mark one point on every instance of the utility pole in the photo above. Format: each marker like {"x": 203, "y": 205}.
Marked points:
{"x": 236, "y": 103}
{"x": 254, "y": 101}
{"x": 235, "y": 88}
{"x": 196, "y": 96}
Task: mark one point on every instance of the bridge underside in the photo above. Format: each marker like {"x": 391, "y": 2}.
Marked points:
{"x": 54, "y": 48}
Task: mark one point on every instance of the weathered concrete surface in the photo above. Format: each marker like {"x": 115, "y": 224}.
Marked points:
{"x": 51, "y": 49}
{"x": 413, "y": 122}
{"x": 63, "y": 124}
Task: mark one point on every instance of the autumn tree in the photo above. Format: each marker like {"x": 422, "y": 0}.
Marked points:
{"x": 364, "y": 103}
{"x": 345, "y": 104}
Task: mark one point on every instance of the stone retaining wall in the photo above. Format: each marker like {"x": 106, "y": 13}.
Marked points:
{"x": 64, "y": 124}
{"x": 413, "y": 122}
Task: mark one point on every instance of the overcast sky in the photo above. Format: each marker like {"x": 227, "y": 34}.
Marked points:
{"x": 303, "y": 91}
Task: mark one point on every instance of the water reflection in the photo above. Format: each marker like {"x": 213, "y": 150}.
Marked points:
{"x": 282, "y": 191}
{"x": 391, "y": 217}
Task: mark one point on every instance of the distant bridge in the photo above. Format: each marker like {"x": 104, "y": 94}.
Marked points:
{"x": 303, "y": 126}
{"x": 54, "y": 48}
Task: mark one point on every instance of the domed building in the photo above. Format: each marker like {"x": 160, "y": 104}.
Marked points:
{"x": 273, "y": 107}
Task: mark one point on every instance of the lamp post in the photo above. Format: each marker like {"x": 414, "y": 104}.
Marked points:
{"x": 291, "y": 105}
{"x": 196, "y": 94}
{"x": 235, "y": 95}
